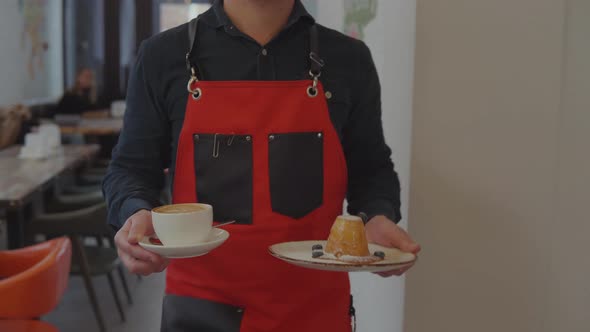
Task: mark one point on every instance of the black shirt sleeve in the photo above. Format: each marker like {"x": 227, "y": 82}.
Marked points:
{"x": 135, "y": 177}
{"x": 373, "y": 184}
{"x": 73, "y": 104}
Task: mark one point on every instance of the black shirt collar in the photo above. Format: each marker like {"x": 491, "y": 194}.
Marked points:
{"x": 216, "y": 16}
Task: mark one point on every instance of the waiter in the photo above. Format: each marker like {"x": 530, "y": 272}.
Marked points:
{"x": 274, "y": 120}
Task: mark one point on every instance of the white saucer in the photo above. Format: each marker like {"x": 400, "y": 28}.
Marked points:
{"x": 299, "y": 253}
{"x": 216, "y": 238}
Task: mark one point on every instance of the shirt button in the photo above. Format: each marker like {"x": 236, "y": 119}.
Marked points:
{"x": 328, "y": 95}
{"x": 264, "y": 52}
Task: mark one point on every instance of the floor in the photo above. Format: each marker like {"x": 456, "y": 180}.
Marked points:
{"x": 74, "y": 314}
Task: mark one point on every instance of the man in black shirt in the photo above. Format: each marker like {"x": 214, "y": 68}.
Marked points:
{"x": 252, "y": 41}
{"x": 81, "y": 98}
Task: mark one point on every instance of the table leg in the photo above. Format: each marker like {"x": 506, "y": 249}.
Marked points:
{"x": 15, "y": 228}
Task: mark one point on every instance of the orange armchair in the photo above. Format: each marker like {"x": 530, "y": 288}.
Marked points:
{"x": 33, "y": 280}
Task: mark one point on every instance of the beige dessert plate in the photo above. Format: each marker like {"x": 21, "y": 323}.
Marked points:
{"x": 300, "y": 253}
{"x": 217, "y": 237}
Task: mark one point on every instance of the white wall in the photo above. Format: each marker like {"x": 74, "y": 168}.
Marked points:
{"x": 379, "y": 302}
{"x": 15, "y": 83}
{"x": 12, "y": 74}
{"x": 500, "y": 168}
{"x": 570, "y": 268}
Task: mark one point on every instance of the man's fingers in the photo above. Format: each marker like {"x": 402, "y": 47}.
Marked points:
{"x": 163, "y": 266}
{"x": 397, "y": 272}
{"x": 122, "y": 234}
{"x": 143, "y": 267}
{"x": 139, "y": 253}
{"x": 390, "y": 274}
{"x": 133, "y": 256}
{"x": 125, "y": 228}
{"x": 130, "y": 253}
{"x": 139, "y": 229}
{"x": 136, "y": 266}
{"x": 411, "y": 247}
{"x": 401, "y": 240}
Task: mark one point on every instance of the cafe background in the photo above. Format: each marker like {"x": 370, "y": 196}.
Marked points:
{"x": 491, "y": 127}
{"x": 105, "y": 34}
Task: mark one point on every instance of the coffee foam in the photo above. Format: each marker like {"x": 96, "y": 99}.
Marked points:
{"x": 179, "y": 208}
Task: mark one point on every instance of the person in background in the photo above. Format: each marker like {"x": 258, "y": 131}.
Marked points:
{"x": 81, "y": 97}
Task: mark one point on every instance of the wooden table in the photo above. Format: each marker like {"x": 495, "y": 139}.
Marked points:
{"x": 94, "y": 127}
{"x": 21, "y": 180}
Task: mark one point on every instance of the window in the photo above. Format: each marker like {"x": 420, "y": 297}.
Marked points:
{"x": 171, "y": 13}
{"x": 31, "y": 51}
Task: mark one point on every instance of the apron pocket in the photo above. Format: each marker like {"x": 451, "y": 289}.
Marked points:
{"x": 187, "y": 314}
{"x": 296, "y": 171}
{"x": 223, "y": 172}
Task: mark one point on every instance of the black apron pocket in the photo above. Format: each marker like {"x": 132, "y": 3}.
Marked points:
{"x": 223, "y": 171}
{"x": 187, "y": 314}
{"x": 296, "y": 171}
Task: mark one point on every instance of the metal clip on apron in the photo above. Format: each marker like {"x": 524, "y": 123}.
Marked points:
{"x": 266, "y": 154}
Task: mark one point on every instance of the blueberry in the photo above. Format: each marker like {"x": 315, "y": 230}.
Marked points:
{"x": 317, "y": 254}
{"x": 317, "y": 247}
{"x": 379, "y": 254}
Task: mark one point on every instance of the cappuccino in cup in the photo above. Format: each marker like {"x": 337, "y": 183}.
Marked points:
{"x": 182, "y": 224}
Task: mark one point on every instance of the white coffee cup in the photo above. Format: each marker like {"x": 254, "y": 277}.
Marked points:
{"x": 182, "y": 224}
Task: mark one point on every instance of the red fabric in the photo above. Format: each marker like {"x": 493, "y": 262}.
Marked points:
{"x": 276, "y": 296}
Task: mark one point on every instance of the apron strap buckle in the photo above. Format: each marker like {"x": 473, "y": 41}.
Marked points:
{"x": 195, "y": 92}
{"x": 317, "y": 63}
{"x": 312, "y": 90}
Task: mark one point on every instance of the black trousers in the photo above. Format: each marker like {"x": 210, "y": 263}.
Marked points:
{"x": 187, "y": 314}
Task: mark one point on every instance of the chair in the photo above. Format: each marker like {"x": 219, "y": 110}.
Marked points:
{"x": 91, "y": 177}
{"x": 35, "y": 279}
{"x": 72, "y": 202}
{"x": 92, "y": 260}
{"x": 81, "y": 189}
{"x": 88, "y": 180}
{"x": 26, "y": 326}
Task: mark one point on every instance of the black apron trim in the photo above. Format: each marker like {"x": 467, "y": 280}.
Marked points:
{"x": 187, "y": 314}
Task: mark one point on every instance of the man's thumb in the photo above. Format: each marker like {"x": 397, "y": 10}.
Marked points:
{"x": 139, "y": 229}
{"x": 410, "y": 246}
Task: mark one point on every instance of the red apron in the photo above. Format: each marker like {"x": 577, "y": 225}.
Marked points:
{"x": 264, "y": 153}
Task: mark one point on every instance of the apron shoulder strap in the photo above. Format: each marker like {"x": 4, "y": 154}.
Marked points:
{"x": 192, "y": 33}
{"x": 192, "y": 42}
{"x": 316, "y": 62}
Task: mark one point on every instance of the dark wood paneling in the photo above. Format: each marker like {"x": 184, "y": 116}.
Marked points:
{"x": 144, "y": 22}
{"x": 112, "y": 88}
